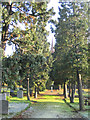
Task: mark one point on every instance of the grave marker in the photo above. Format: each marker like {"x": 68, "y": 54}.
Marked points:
{"x": 2, "y": 96}
{"x": 3, "y": 107}
{"x": 20, "y": 94}
{"x": 51, "y": 88}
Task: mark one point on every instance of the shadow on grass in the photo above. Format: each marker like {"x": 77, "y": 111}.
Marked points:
{"x": 18, "y": 101}
{"x": 51, "y": 95}
{"x": 70, "y": 106}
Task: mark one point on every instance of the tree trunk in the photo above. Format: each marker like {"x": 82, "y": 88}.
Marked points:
{"x": 1, "y": 54}
{"x": 28, "y": 92}
{"x": 0, "y": 84}
{"x": 38, "y": 89}
{"x": 59, "y": 87}
{"x": 69, "y": 89}
{"x": 73, "y": 93}
{"x": 35, "y": 95}
{"x": 65, "y": 90}
{"x": 81, "y": 100}
{"x": 74, "y": 88}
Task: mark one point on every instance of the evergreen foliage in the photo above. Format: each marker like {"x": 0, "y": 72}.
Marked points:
{"x": 71, "y": 49}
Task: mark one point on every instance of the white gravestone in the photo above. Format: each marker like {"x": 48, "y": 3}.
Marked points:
{"x": 20, "y": 94}
{"x": 51, "y": 89}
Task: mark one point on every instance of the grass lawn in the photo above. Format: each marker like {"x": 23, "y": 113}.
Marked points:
{"x": 43, "y": 98}
{"x": 75, "y": 105}
{"x": 86, "y": 92}
{"x": 47, "y": 98}
{"x": 15, "y": 99}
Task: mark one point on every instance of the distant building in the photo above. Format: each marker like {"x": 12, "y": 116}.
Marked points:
{"x": 52, "y": 47}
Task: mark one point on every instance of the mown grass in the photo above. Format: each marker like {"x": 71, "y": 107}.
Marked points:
{"x": 75, "y": 105}
{"x": 47, "y": 98}
{"x": 86, "y": 92}
{"x": 16, "y": 100}
{"x": 52, "y": 99}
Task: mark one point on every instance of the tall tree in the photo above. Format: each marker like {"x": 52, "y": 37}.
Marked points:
{"x": 30, "y": 42}
{"x": 71, "y": 43}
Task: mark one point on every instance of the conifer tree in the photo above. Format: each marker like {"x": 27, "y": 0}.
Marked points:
{"x": 71, "y": 44}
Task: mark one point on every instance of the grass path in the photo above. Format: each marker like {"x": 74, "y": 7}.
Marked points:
{"x": 49, "y": 105}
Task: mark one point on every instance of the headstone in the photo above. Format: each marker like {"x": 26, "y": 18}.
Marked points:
{"x": 59, "y": 87}
{"x": 20, "y": 94}
{"x": 3, "y": 107}
{"x": 11, "y": 90}
{"x": 67, "y": 91}
{"x": 51, "y": 89}
{"x": 31, "y": 92}
{"x": 85, "y": 86}
{"x": 7, "y": 94}
{"x": 2, "y": 96}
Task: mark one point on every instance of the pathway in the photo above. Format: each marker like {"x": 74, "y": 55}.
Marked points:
{"x": 50, "y": 109}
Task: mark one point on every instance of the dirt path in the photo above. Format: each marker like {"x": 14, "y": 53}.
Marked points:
{"x": 50, "y": 109}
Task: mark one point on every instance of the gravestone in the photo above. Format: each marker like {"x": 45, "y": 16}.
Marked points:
{"x": 3, "y": 107}
{"x": 7, "y": 94}
{"x": 59, "y": 87}
{"x": 12, "y": 91}
{"x": 20, "y": 94}
{"x": 31, "y": 92}
{"x": 2, "y": 96}
{"x": 51, "y": 88}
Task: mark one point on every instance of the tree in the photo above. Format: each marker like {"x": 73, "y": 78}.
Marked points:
{"x": 71, "y": 43}
{"x": 31, "y": 44}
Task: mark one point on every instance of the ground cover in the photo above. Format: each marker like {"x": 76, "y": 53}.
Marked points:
{"x": 49, "y": 105}
{"x": 15, "y": 99}
{"x": 86, "y": 92}
{"x": 75, "y": 105}
{"x": 56, "y": 99}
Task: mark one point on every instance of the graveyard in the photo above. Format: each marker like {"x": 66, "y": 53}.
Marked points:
{"x": 44, "y": 59}
{"x": 18, "y": 106}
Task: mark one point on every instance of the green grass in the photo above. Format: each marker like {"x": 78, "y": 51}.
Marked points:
{"x": 76, "y": 106}
{"x": 47, "y": 98}
{"x": 51, "y": 99}
{"x": 86, "y": 92}
{"x": 76, "y": 103}
{"x": 15, "y": 99}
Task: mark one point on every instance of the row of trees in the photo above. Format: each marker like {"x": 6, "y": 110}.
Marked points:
{"x": 30, "y": 64}
{"x": 71, "y": 49}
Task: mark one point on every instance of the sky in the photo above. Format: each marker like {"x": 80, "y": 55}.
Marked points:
{"x": 52, "y": 3}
